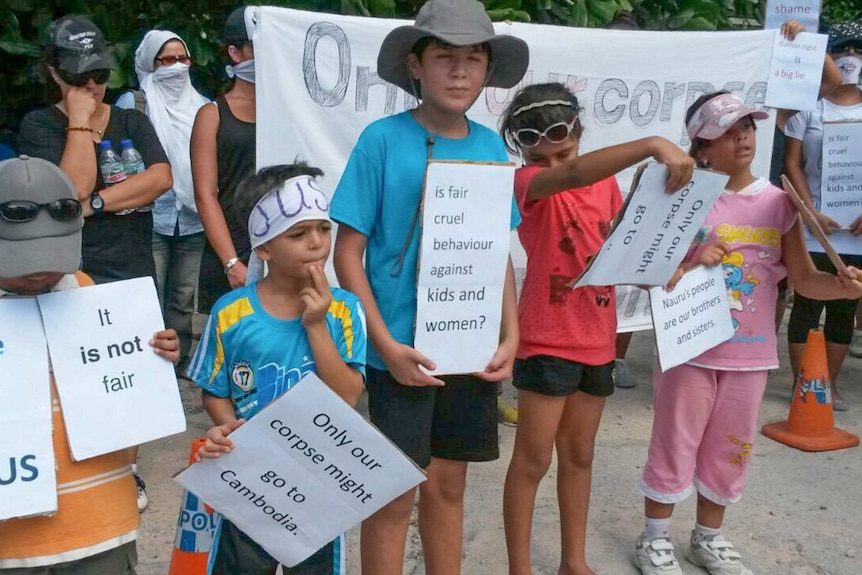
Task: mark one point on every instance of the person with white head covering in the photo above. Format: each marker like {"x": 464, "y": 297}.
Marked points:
{"x": 162, "y": 64}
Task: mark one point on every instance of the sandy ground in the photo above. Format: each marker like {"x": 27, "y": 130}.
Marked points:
{"x": 801, "y": 514}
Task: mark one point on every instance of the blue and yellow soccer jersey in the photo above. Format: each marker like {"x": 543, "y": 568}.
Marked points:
{"x": 253, "y": 358}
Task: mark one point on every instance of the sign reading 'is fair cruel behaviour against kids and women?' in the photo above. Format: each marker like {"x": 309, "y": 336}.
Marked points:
{"x": 116, "y": 392}
{"x": 28, "y": 482}
{"x": 305, "y": 469}
{"x": 463, "y": 254}
{"x": 691, "y": 318}
{"x": 841, "y": 180}
{"x": 654, "y": 230}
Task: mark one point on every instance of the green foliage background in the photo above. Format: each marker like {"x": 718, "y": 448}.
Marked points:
{"x": 199, "y": 21}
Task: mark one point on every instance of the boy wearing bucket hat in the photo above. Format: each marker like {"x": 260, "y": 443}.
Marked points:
{"x": 94, "y": 529}
{"x": 444, "y": 60}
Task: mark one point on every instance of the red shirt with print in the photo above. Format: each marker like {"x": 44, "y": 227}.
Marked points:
{"x": 560, "y": 234}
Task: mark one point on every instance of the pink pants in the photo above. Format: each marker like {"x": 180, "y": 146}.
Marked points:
{"x": 704, "y": 422}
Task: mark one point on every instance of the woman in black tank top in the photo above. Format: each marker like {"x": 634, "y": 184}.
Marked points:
{"x": 223, "y": 154}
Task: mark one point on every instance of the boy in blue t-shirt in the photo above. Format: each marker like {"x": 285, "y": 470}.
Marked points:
{"x": 444, "y": 60}
{"x": 261, "y": 339}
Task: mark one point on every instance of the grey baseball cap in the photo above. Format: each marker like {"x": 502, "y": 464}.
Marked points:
{"x": 78, "y": 45}
{"x": 457, "y": 23}
{"x": 44, "y": 243}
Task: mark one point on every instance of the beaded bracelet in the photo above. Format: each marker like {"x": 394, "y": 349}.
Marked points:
{"x": 80, "y": 129}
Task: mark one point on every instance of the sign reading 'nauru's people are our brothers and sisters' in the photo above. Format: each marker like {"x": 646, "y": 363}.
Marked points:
{"x": 463, "y": 257}
{"x": 692, "y": 318}
{"x": 303, "y": 470}
{"x": 654, "y": 230}
{"x": 116, "y": 392}
{"x": 28, "y": 480}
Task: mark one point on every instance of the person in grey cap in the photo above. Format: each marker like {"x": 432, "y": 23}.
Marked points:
{"x": 445, "y": 60}
{"x": 803, "y": 165}
{"x": 94, "y": 529}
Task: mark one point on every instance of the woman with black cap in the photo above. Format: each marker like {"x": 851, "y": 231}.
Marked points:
{"x": 223, "y": 155}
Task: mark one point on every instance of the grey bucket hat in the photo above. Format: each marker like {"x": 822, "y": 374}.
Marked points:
{"x": 458, "y": 23}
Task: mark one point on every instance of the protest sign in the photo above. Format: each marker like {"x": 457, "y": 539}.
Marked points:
{"x": 28, "y": 480}
{"x": 806, "y": 12}
{"x": 303, "y": 470}
{"x": 796, "y": 71}
{"x": 316, "y": 75}
{"x": 116, "y": 392}
{"x": 633, "y": 309}
{"x": 462, "y": 263}
{"x": 692, "y": 318}
{"x": 841, "y": 176}
{"x": 654, "y": 230}
{"x": 812, "y": 227}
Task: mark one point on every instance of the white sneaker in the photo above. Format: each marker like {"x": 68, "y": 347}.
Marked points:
{"x": 655, "y": 557}
{"x": 717, "y": 556}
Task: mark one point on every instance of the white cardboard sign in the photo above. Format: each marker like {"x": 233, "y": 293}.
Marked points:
{"x": 654, "y": 230}
{"x": 28, "y": 480}
{"x": 795, "y": 71}
{"x": 462, "y": 263}
{"x": 692, "y": 318}
{"x": 317, "y": 76}
{"x": 303, "y": 470}
{"x": 841, "y": 176}
{"x": 806, "y": 12}
{"x": 116, "y": 392}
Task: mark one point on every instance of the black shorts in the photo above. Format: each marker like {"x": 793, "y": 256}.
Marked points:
{"x": 558, "y": 377}
{"x": 457, "y": 421}
{"x": 237, "y": 553}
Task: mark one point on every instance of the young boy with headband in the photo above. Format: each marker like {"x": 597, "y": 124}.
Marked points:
{"x": 262, "y": 338}
{"x": 445, "y": 60}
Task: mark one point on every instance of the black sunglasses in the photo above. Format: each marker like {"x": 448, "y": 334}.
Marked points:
{"x": 78, "y": 80}
{"x": 20, "y": 211}
{"x": 171, "y": 60}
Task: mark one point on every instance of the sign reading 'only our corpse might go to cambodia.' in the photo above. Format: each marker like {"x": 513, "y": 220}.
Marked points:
{"x": 303, "y": 470}
{"x": 654, "y": 230}
{"x": 466, "y": 217}
{"x": 28, "y": 482}
{"x": 116, "y": 392}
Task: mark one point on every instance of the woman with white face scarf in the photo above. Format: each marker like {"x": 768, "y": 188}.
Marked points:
{"x": 223, "y": 155}
{"x": 162, "y": 63}
{"x": 803, "y": 162}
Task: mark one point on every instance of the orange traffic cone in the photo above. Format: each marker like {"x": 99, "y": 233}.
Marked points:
{"x": 194, "y": 538}
{"x": 810, "y": 426}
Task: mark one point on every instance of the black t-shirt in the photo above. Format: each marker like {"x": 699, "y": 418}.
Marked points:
{"x": 114, "y": 247}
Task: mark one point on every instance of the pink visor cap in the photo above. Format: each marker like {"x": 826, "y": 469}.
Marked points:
{"x": 717, "y": 115}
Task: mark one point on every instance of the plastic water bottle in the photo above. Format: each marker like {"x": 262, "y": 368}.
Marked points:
{"x": 110, "y": 164}
{"x": 132, "y": 160}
